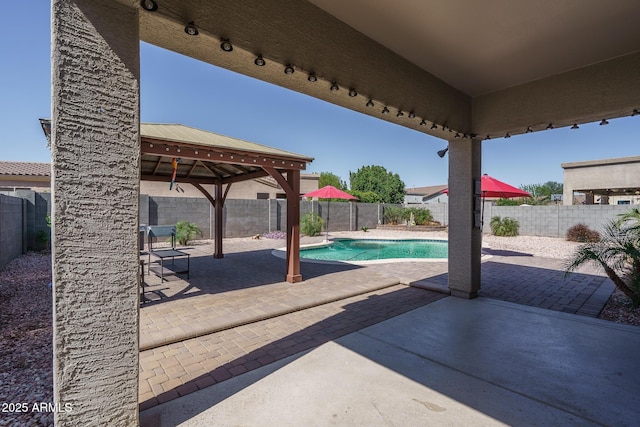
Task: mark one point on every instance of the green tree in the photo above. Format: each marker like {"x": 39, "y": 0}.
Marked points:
{"x": 366, "y": 196}
{"x": 541, "y": 193}
{"x": 328, "y": 178}
{"x": 376, "y": 179}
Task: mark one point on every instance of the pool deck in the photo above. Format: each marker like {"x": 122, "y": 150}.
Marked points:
{"x": 236, "y": 315}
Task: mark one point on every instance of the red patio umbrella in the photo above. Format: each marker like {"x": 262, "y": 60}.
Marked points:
{"x": 329, "y": 192}
{"x": 491, "y": 187}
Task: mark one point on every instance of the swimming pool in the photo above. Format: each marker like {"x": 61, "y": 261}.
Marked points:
{"x": 354, "y": 250}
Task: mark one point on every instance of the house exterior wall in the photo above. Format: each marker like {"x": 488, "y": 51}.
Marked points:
{"x": 623, "y": 173}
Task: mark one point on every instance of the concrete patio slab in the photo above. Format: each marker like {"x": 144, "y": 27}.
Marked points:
{"x": 452, "y": 362}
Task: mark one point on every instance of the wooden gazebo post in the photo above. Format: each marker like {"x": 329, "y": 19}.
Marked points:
{"x": 291, "y": 187}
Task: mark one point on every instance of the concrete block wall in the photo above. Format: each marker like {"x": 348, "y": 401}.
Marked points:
{"x": 367, "y": 215}
{"x": 246, "y": 217}
{"x": 554, "y": 221}
{"x": 170, "y": 210}
{"x": 440, "y": 212}
{"x": 11, "y": 229}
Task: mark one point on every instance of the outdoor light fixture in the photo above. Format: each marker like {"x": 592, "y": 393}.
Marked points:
{"x": 529, "y": 130}
{"x": 385, "y": 110}
{"x": 434, "y": 126}
{"x": 352, "y": 92}
{"x": 288, "y": 69}
{"x": 334, "y": 87}
{"x": 191, "y": 29}
{"x": 226, "y": 45}
{"x": 149, "y": 5}
{"x": 259, "y": 61}
{"x": 508, "y": 135}
{"x": 312, "y": 77}
{"x": 604, "y": 122}
{"x": 549, "y": 126}
{"x": 423, "y": 122}
{"x": 457, "y": 135}
{"x": 488, "y": 137}
{"x": 442, "y": 152}
{"x": 369, "y": 103}
{"x": 412, "y": 114}
{"x": 635, "y": 112}
{"x": 575, "y": 126}
{"x": 400, "y": 113}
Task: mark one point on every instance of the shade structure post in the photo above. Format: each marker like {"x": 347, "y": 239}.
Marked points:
{"x": 293, "y": 227}
{"x": 218, "y": 211}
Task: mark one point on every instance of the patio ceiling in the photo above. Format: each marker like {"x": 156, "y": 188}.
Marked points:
{"x": 459, "y": 66}
{"x": 206, "y": 157}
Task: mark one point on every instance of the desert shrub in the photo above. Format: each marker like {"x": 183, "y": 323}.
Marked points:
{"x": 420, "y": 216}
{"x": 504, "y": 226}
{"x": 186, "y": 231}
{"x": 393, "y": 214}
{"x": 583, "y": 234}
{"x": 311, "y": 224}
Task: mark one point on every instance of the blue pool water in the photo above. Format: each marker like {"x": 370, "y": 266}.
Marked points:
{"x": 374, "y": 249}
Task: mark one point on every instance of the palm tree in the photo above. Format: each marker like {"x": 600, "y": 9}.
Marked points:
{"x": 632, "y": 215}
{"x": 618, "y": 253}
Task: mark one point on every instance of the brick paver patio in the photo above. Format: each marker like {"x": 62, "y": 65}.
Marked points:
{"x": 236, "y": 314}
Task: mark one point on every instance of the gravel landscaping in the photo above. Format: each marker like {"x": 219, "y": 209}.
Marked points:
{"x": 26, "y": 325}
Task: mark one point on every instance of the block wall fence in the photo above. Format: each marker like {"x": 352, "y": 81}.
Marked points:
{"x": 23, "y": 217}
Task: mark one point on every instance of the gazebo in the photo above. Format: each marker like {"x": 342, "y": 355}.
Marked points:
{"x": 206, "y": 158}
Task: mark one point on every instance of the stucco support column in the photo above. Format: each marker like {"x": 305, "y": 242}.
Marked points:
{"x": 465, "y": 238}
{"x": 293, "y": 227}
{"x": 96, "y": 182}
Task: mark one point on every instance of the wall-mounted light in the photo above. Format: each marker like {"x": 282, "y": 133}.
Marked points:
{"x": 635, "y": 112}
{"x": 259, "y": 61}
{"x": 191, "y": 29}
{"x": 488, "y": 137}
{"x": 412, "y": 114}
{"x": 508, "y": 135}
{"x": 457, "y": 135}
{"x": 149, "y": 5}
{"x": 334, "y": 87}
{"x": 529, "y": 130}
{"x": 352, "y": 92}
{"x": 226, "y": 45}
{"x": 423, "y": 122}
{"x": 312, "y": 77}
{"x": 385, "y": 110}
{"x": 604, "y": 122}
{"x": 575, "y": 126}
{"x": 434, "y": 127}
{"x": 370, "y": 103}
{"x": 442, "y": 152}
{"x": 289, "y": 69}
{"x": 549, "y": 126}
{"x": 400, "y": 113}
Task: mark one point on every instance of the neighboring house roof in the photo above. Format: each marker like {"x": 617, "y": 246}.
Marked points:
{"x": 25, "y": 169}
{"x": 426, "y": 191}
{"x": 187, "y": 134}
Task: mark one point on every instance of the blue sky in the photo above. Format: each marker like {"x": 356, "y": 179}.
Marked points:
{"x": 177, "y": 89}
